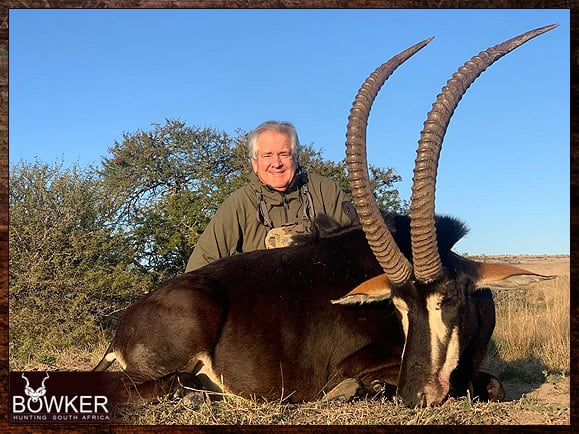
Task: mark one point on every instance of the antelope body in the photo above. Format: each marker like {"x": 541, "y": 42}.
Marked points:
{"x": 385, "y": 308}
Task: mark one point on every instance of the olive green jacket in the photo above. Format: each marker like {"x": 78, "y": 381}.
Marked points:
{"x": 238, "y": 226}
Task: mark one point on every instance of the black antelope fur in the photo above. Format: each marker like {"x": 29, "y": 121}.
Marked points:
{"x": 332, "y": 317}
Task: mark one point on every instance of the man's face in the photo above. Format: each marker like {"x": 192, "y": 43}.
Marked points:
{"x": 274, "y": 164}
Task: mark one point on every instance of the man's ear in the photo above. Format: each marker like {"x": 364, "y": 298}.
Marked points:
{"x": 503, "y": 276}
{"x": 254, "y": 164}
{"x": 375, "y": 289}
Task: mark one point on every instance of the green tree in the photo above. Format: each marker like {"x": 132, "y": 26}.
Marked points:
{"x": 69, "y": 268}
{"x": 382, "y": 180}
{"x": 168, "y": 183}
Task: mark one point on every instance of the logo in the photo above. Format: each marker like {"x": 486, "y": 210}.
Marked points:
{"x": 35, "y": 395}
{"x": 58, "y": 397}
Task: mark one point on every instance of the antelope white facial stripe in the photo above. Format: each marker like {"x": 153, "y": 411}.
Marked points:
{"x": 451, "y": 360}
{"x": 403, "y": 309}
{"x": 441, "y": 338}
{"x": 436, "y": 327}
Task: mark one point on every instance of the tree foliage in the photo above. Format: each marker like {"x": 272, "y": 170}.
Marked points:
{"x": 382, "y": 180}
{"x": 168, "y": 183}
{"x": 68, "y": 265}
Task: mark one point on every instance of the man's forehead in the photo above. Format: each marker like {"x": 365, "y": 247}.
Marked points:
{"x": 280, "y": 145}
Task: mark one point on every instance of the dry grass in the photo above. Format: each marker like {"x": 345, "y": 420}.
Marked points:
{"x": 536, "y": 327}
{"x": 532, "y": 336}
{"x": 238, "y": 411}
{"x": 530, "y": 353}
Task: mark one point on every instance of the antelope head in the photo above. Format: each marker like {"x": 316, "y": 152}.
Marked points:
{"x": 435, "y": 290}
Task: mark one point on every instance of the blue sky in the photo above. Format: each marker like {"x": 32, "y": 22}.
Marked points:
{"x": 79, "y": 79}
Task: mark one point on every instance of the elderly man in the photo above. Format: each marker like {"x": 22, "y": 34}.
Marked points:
{"x": 280, "y": 200}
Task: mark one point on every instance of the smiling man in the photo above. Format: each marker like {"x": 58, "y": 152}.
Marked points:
{"x": 273, "y": 160}
{"x": 280, "y": 200}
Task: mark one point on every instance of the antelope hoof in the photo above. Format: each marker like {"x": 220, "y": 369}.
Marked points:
{"x": 377, "y": 386}
{"x": 487, "y": 387}
{"x": 346, "y": 390}
{"x": 495, "y": 389}
{"x": 185, "y": 384}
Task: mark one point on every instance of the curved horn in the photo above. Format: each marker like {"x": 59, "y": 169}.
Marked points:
{"x": 395, "y": 265}
{"x": 45, "y": 378}
{"x": 27, "y": 382}
{"x": 427, "y": 264}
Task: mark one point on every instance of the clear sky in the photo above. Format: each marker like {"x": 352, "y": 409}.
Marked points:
{"x": 79, "y": 79}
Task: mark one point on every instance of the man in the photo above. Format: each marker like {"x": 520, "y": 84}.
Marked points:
{"x": 280, "y": 200}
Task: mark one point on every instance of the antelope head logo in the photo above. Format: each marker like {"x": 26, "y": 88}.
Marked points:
{"x": 33, "y": 394}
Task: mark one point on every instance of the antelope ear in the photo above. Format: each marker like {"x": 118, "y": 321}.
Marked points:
{"x": 502, "y": 276}
{"x": 375, "y": 289}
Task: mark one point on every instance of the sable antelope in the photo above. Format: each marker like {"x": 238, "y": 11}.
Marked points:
{"x": 287, "y": 323}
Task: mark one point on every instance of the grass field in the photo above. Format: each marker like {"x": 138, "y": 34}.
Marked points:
{"x": 530, "y": 353}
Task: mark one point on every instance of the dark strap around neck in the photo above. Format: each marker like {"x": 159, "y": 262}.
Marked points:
{"x": 308, "y": 215}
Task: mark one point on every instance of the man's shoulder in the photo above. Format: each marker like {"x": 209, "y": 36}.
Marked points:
{"x": 315, "y": 179}
{"x": 242, "y": 195}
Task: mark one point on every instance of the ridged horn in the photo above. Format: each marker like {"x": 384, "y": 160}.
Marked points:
{"x": 395, "y": 265}
{"x": 426, "y": 259}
